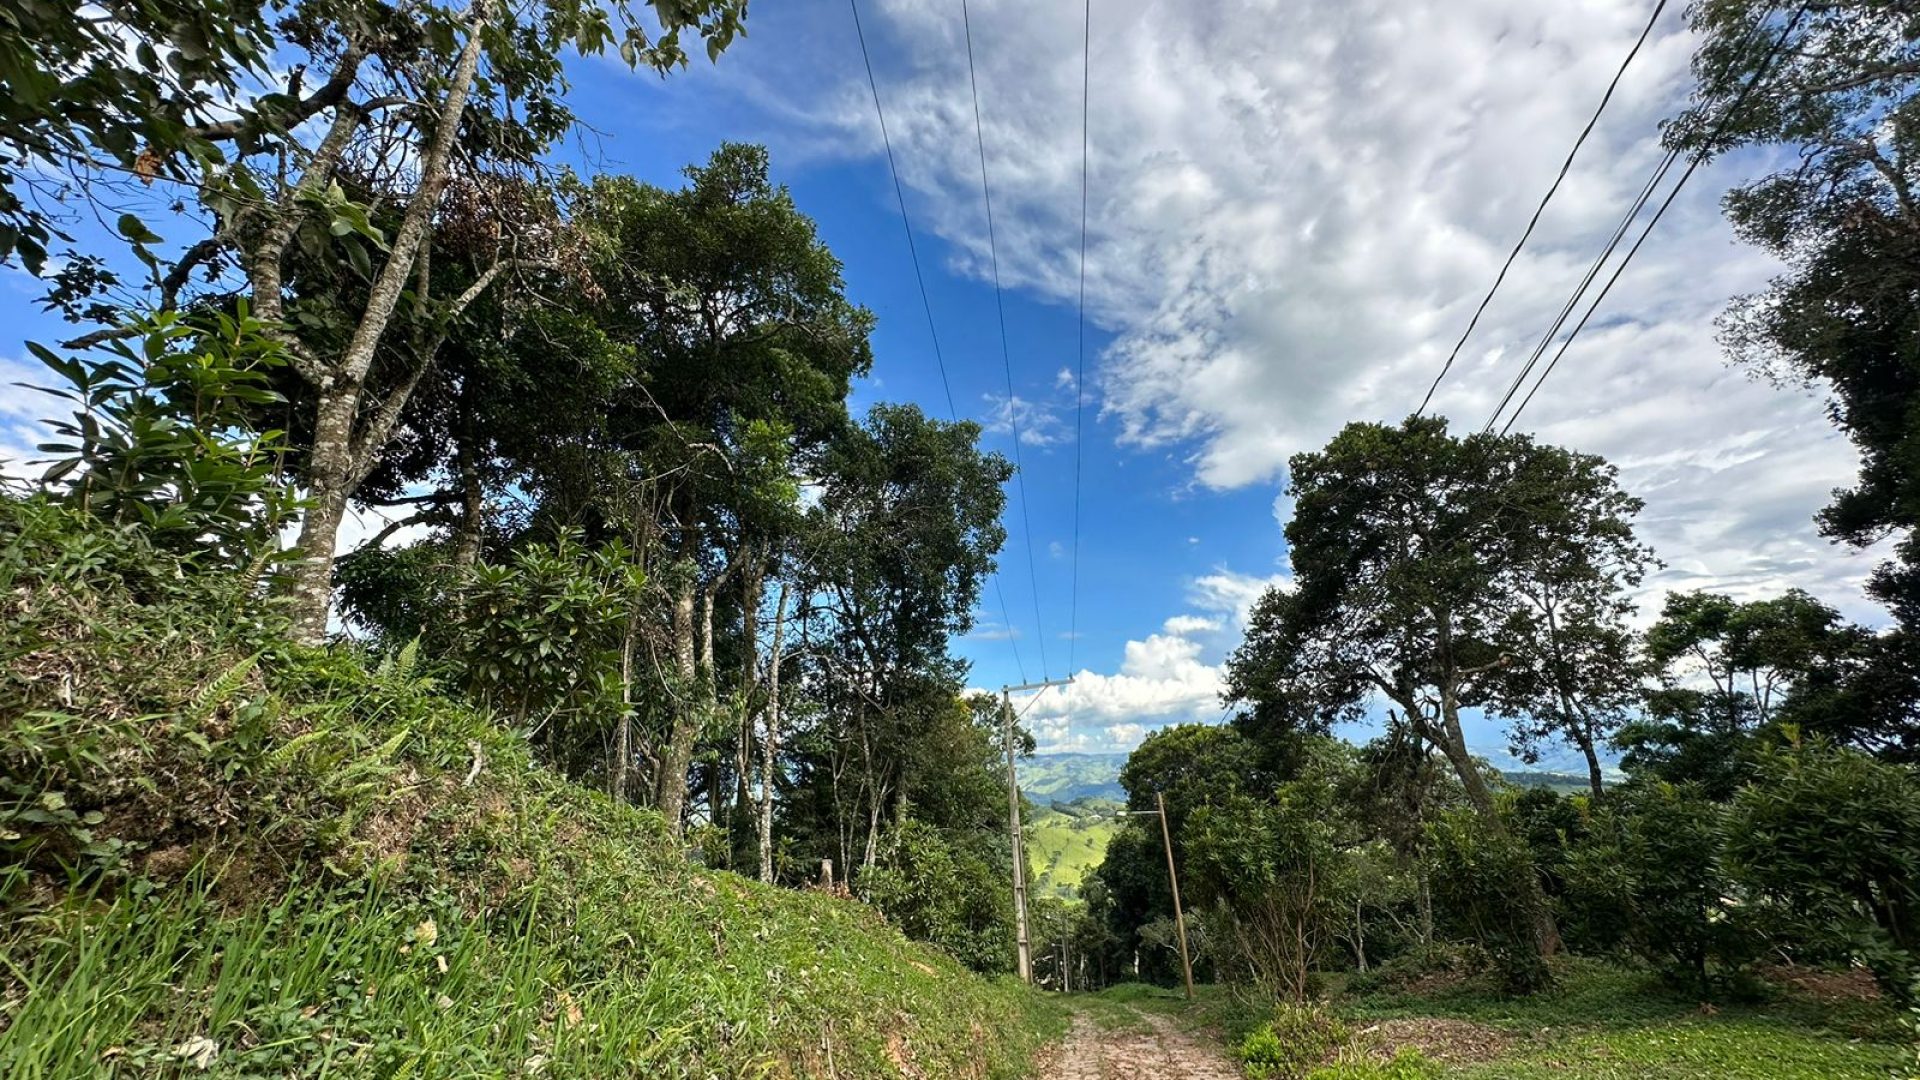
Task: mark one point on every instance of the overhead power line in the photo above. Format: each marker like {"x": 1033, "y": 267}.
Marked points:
{"x": 1006, "y": 353}
{"x": 1534, "y": 221}
{"x": 913, "y": 252}
{"x": 1573, "y": 299}
{"x": 1699, "y": 158}
{"x": 1080, "y": 357}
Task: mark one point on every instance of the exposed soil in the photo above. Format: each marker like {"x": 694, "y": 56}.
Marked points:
{"x": 1453, "y": 1042}
{"x": 1154, "y": 1049}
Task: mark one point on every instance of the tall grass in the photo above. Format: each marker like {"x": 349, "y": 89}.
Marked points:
{"x": 222, "y": 855}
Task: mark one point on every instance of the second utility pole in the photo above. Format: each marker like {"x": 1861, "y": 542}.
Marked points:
{"x": 1013, "y": 828}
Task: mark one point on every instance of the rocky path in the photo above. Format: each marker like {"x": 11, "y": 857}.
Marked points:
{"x": 1151, "y": 1048}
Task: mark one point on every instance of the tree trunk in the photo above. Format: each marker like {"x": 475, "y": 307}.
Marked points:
{"x": 1453, "y": 743}
{"x": 1593, "y": 763}
{"x": 473, "y": 508}
{"x": 329, "y": 485}
{"x": 670, "y": 786}
{"x": 770, "y": 740}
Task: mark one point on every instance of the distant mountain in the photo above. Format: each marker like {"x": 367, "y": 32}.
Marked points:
{"x": 1047, "y": 778}
{"x": 1564, "y": 783}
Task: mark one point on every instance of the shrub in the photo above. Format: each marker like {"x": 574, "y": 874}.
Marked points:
{"x": 1277, "y": 884}
{"x": 1832, "y": 837}
{"x": 946, "y": 889}
{"x": 165, "y": 436}
{"x": 1296, "y": 1041}
{"x": 1480, "y": 889}
{"x": 1682, "y": 920}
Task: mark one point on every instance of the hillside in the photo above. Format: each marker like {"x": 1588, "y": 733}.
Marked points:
{"x": 1047, "y": 778}
{"x": 1068, "y": 840}
{"x": 226, "y": 855}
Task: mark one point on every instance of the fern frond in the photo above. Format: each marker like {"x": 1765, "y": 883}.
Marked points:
{"x": 217, "y": 692}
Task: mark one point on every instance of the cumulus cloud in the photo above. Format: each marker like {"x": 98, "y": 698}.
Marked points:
{"x": 1173, "y": 676}
{"x": 1038, "y": 422}
{"x": 1295, "y": 208}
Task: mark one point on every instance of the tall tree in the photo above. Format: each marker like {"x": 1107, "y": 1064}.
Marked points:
{"x": 897, "y": 547}
{"x": 1726, "y": 670}
{"x": 746, "y": 347}
{"x": 1409, "y": 548}
{"x": 1841, "y": 93}
{"x": 414, "y": 115}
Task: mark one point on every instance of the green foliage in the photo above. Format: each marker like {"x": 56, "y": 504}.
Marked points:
{"x": 1276, "y": 881}
{"x": 1838, "y": 214}
{"x": 129, "y": 86}
{"x": 1678, "y": 898}
{"x": 540, "y": 637}
{"x": 300, "y": 842}
{"x": 946, "y": 889}
{"x": 163, "y": 436}
{"x": 1606, "y": 1022}
{"x": 1833, "y": 837}
{"x": 1481, "y": 880}
{"x": 1296, "y": 1041}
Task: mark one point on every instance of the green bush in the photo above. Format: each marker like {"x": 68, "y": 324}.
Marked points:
{"x": 1479, "y": 881}
{"x": 1831, "y": 837}
{"x": 165, "y": 436}
{"x": 945, "y": 889}
{"x": 1297, "y": 1040}
{"x": 1682, "y": 919}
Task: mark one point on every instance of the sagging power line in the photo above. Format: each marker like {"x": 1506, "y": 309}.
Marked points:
{"x": 1006, "y": 352}
{"x": 926, "y": 303}
{"x": 1541, "y": 209}
{"x": 1699, "y": 158}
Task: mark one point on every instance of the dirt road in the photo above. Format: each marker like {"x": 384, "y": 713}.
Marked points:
{"x": 1143, "y": 1046}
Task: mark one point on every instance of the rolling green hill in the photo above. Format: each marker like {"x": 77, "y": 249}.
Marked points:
{"x": 1066, "y": 840}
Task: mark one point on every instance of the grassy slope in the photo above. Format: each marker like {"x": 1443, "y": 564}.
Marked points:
{"x": 1063, "y": 845}
{"x": 292, "y": 865}
{"x": 1605, "y": 1023}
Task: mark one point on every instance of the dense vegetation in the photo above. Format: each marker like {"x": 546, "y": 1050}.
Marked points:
{"x": 651, "y": 604}
{"x": 633, "y": 742}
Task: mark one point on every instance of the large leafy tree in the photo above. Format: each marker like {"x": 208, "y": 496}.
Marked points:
{"x": 745, "y": 347}
{"x": 895, "y": 551}
{"x": 1411, "y": 553}
{"x": 1726, "y": 671}
{"x": 1841, "y": 91}
{"x": 390, "y": 124}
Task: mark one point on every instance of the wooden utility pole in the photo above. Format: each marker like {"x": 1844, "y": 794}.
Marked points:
{"x": 1173, "y": 879}
{"x": 1013, "y": 828}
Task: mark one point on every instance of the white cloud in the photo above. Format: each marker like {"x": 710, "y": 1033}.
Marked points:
{"x": 1188, "y": 625}
{"x": 1295, "y": 208}
{"x": 1232, "y": 594}
{"x": 1039, "y": 423}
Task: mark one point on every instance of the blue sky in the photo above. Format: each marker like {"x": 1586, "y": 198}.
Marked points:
{"x": 1295, "y": 206}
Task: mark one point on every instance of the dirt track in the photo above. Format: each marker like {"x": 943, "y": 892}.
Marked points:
{"x": 1152, "y": 1048}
